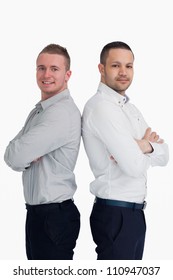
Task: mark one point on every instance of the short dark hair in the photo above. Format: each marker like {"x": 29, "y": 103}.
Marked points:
{"x": 57, "y": 49}
{"x": 113, "y": 45}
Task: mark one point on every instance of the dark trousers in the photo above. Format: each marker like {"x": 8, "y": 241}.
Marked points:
{"x": 52, "y": 231}
{"x": 118, "y": 232}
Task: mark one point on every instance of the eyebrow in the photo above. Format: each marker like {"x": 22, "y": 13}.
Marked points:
{"x": 41, "y": 65}
{"x": 121, "y": 62}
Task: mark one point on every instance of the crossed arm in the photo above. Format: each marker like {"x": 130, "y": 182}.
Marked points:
{"x": 149, "y": 137}
{"x": 144, "y": 143}
{"x": 133, "y": 156}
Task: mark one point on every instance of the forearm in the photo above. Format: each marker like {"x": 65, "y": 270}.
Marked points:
{"x": 35, "y": 143}
{"x": 10, "y": 158}
{"x": 13, "y": 156}
{"x": 160, "y": 154}
{"x": 152, "y": 145}
{"x": 10, "y": 150}
{"x": 145, "y": 146}
{"x": 127, "y": 154}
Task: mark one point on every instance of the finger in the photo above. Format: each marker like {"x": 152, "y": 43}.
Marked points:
{"x": 112, "y": 158}
{"x": 160, "y": 141}
{"x": 147, "y": 133}
{"x": 153, "y": 137}
{"x": 157, "y": 138}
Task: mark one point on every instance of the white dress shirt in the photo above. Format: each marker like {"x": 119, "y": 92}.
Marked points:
{"x": 51, "y": 134}
{"x": 110, "y": 125}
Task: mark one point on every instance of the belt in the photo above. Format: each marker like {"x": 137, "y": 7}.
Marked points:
{"x": 132, "y": 205}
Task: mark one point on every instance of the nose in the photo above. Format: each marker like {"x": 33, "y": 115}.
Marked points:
{"x": 122, "y": 71}
{"x": 46, "y": 72}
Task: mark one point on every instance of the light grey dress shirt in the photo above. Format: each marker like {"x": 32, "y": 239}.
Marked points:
{"x": 110, "y": 125}
{"x": 51, "y": 134}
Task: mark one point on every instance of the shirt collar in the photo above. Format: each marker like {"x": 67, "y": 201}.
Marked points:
{"x": 54, "y": 99}
{"x": 112, "y": 95}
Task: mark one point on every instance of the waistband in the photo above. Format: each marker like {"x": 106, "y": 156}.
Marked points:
{"x": 46, "y": 206}
{"x": 132, "y": 205}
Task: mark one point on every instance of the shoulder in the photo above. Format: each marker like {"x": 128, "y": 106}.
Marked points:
{"x": 98, "y": 103}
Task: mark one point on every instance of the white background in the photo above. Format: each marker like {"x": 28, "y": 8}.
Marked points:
{"x": 84, "y": 27}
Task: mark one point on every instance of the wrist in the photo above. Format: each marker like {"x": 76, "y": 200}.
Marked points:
{"x": 148, "y": 147}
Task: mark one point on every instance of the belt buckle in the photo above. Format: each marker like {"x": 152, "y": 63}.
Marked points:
{"x": 144, "y": 205}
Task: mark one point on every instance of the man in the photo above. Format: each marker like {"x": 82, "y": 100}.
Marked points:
{"x": 46, "y": 150}
{"x": 120, "y": 147}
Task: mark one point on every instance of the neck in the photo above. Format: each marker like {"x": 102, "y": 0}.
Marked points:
{"x": 45, "y": 96}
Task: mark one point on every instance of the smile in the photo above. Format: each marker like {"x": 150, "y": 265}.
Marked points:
{"x": 47, "y": 83}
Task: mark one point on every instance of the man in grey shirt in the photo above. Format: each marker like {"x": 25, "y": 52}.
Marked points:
{"x": 46, "y": 150}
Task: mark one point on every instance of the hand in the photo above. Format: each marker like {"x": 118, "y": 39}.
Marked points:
{"x": 37, "y": 159}
{"x": 112, "y": 158}
{"x": 152, "y": 136}
{"x": 149, "y": 136}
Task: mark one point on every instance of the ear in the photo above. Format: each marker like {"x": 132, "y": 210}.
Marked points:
{"x": 67, "y": 75}
{"x": 101, "y": 69}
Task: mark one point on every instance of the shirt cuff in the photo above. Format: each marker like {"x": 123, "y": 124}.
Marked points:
{"x": 157, "y": 149}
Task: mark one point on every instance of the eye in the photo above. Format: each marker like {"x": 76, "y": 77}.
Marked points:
{"x": 54, "y": 69}
{"x": 115, "y": 65}
{"x": 129, "y": 66}
{"x": 40, "y": 68}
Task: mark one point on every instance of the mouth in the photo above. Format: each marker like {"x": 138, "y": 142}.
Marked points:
{"x": 123, "y": 81}
{"x": 47, "y": 83}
